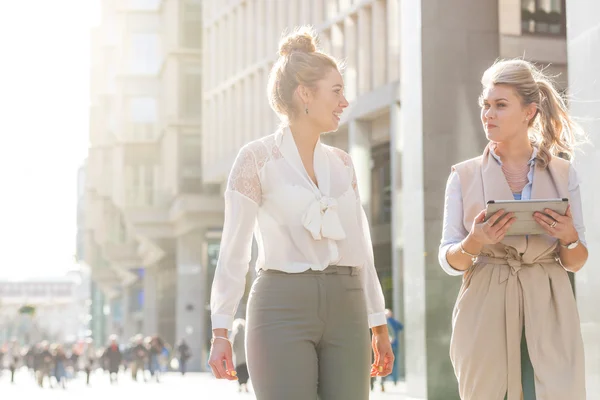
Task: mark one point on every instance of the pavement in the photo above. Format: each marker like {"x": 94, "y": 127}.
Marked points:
{"x": 171, "y": 384}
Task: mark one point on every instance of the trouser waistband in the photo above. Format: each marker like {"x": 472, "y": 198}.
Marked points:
{"x": 331, "y": 270}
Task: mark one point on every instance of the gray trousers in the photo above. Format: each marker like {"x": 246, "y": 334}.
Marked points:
{"x": 307, "y": 336}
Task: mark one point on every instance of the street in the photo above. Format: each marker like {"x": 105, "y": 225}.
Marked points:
{"x": 171, "y": 385}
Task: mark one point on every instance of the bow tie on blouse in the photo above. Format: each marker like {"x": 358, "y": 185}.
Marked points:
{"x": 322, "y": 219}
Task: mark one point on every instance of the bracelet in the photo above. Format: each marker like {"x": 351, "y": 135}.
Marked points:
{"x": 220, "y": 337}
{"x": 463, "y": 251}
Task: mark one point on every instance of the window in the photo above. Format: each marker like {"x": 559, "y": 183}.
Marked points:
{"x": 143, "y": 115}
{"x": 383, "y": 260}
{"x": 190, "y": 164}
{"x": 148, "y": 185}
{"x": 139, "y": 184}
{"x": 546, "y": 17}
{"x": 381, "y": 181}
{"x": 136, "y": 298}
{"x": 191, "y": 91}
{"x": 144, "y": 54}
{"x": 192, "y": 24}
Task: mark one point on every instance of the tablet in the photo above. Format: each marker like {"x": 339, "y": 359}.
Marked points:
{"x": 524, "y": 209}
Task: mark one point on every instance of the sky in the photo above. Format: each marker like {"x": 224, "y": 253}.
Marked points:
{"x": 44, "y": 100}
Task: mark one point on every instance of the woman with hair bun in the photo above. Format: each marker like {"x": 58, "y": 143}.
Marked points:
{"x": 516, "y": 307}
{"x": 317, "y": 291}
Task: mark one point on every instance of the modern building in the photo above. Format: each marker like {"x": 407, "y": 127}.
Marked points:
{"x": 412, "y": 77}
{"x": 149, "y": 215}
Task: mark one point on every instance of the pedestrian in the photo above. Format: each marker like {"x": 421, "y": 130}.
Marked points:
{"x": 317, "y": 291}
{"x": 60, "y": 365}
{"x": 45, "y": 362}
{"x": 87, "y": 359}
{"x": 112, "y": 358}
{"x": 515, "y": 289}
{"x": 238, "y": 341}
{"x": 13, "y": 357}
{"x": 394, "y": 329}
{"x": 139, "y": 354}
{"x": 155, "y": 352}
{"x": 184, "y": 355}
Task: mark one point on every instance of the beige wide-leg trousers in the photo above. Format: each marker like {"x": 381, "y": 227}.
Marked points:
{"x": 307, "y": 336}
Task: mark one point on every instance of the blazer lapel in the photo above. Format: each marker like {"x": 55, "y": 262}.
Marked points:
{"x": 495, "y": 186}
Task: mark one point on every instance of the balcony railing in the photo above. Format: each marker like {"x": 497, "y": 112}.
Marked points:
{"x": 146, "y": 197}
{"x": 541, "y": 22}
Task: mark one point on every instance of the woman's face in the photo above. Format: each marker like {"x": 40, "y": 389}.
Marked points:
{"x": 327, "y": 102}
{"x": 503, "y": 115}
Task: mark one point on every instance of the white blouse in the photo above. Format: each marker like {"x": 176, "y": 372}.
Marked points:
{"x": 298, "y": 226}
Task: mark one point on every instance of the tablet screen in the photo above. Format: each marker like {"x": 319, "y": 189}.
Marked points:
{"x": 523, "y": 210}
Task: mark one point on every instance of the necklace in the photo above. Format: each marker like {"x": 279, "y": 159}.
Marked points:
{"x": 516, "y": 176}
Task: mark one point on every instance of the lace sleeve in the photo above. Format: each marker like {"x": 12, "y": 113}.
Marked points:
{"x": 244, "y": 176}
{"x": 347, "y": 160}
{"x": 354, "y": 182}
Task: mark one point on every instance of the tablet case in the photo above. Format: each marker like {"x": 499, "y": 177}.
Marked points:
{"x": 524, "y": 209}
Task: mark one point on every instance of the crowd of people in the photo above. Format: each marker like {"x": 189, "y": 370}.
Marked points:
{"x": 55, "y": 364}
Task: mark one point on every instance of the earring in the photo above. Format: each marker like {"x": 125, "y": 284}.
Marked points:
{"x": 306, "y": 109}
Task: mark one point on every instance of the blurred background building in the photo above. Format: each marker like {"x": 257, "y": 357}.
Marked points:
{"x": 54, "y": 309}
{"x": 179, "y": 86}
{"x": 147, "y": 209}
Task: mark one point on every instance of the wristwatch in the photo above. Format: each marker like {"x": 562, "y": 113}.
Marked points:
{"x": 570, "y": 246}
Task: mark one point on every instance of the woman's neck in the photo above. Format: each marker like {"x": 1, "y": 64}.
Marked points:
{"x": 306, "y": 136}
{"x": 514, "y": 151}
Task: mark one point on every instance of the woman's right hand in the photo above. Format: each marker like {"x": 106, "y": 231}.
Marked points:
{"x": 221, "y": 360}
{"x": 494, "y": 229}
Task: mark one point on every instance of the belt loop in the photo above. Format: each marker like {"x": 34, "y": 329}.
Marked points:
{"x": 354, "y": 271}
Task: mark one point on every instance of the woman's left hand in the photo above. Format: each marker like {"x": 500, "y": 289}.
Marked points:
{"x": 559, "y": 226}
{"x": 384, "y": 356}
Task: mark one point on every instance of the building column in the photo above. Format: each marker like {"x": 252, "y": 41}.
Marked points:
{"x": 396, "y": 228}
{"x": 396, "y": 183}
{"x": 150, "y": 310}
{"x": 98, "y": 322}
{"x": 435, "y": 134}
{"x": 191, "y": 315}
{"x": 126, "y": 316}
{"x": 351, "y": 56}
{"x": 583, "y": 37}
{"x": 109, "y": 311}
{"x": 359, "y": 147}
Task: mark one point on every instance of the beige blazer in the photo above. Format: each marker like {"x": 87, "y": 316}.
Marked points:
{"x": 516, "y": 283}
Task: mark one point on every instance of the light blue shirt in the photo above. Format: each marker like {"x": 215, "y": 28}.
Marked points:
{"x": 454, "y": 231}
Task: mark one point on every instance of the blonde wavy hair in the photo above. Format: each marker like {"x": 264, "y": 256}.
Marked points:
{"x": 552, "y": 129}
{"x": 299, "y": 63}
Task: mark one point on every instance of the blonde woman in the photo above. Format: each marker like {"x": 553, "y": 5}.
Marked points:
{"x": 515, "y": 288}
{"x": 317, "y": 291}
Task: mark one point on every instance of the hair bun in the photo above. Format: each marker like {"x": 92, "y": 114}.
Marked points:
{"x": 303, "y": 39}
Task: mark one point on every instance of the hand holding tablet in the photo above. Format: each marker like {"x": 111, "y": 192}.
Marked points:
{"x": 525, "y": 222}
